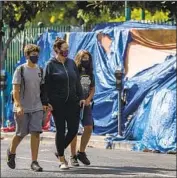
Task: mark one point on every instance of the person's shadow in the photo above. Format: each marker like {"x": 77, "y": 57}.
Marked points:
{"x": 101, "y": 170}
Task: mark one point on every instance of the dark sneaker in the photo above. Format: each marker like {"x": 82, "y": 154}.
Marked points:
{"x": 73, "y": 161}
{"x": 10, "y": 159}
{"x": 83, "y": 158}
{"x": 35, "y": 167}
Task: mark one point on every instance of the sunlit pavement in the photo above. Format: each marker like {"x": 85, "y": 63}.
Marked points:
{"x": 105, "y": 163}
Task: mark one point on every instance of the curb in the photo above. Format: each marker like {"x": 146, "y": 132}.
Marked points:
{"x": 95, "y": 141}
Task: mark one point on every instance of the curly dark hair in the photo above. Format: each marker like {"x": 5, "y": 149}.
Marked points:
{"x": 29, "y": 48}
{"x": 78, "y": 59}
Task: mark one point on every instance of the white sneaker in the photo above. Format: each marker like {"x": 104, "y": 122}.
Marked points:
{"x": 64, "y": 166}
{"x": 66, "y": 162}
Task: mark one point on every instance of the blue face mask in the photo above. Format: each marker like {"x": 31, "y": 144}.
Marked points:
{"x": 34, "y": 59}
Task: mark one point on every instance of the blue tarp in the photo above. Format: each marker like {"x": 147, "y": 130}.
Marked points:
{"x": 105, "y": 99}
{"x": 152, "y": 102}
{"x": 130, "y": 25}
{"x": 8, "y": 106}
{"x": 106, "y": 103}
{"x": 105, "y": 108}
{"x": 45, "y": 41}
{"x": 141, "y": 83}
{"x": 144, "y": 88}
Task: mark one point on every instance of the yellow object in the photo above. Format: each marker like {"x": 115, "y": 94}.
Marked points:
{"x": 52, "y": 19}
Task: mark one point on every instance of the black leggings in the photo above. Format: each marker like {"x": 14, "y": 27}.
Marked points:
{"x": 69, "y": 113}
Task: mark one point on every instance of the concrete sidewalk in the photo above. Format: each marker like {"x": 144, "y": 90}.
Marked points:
{"x": 95, "y": 141}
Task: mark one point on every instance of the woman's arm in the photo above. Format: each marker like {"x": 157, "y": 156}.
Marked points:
{"x": 92, "y": 91}
{"x": 45, "y": 86}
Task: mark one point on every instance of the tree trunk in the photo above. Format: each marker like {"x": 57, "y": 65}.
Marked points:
{"x": 6, "y": 46}
{"x": 0, "y": 52}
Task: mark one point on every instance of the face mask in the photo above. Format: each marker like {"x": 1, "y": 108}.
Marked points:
{"x": 64, "y": 53}
{"x": 85, "y": 64}
{"x": 34, "y": 59}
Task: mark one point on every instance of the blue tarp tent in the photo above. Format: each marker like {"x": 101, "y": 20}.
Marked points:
{"x": 152, "y": 104}
{"x": 144, "y": 88}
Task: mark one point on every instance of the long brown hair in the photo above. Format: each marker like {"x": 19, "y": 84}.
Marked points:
{"x": 78, "y": 59}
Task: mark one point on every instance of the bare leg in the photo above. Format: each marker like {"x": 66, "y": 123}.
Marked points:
{"x": 35, "y": 140}
{"x": 62, "y": 159}
{"x": 14, "y": 144}
{"x": 73, "y": 146}
{"x": 85, "y": 138}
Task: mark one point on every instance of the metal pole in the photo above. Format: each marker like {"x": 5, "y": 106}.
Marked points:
{"x": 119, "y": 114}
{"x": 127, "y": 11}
{"x": 2, "y": 97}
{"x": 0, "y": 10}
{"x": 143, "y": 11}
{"x": 118, "y": 75}
{"x": 2, "y": 72}
{"x": 2, "y": 109}
{"x": 1, "y": 91}
{"x": 1, "y": 25}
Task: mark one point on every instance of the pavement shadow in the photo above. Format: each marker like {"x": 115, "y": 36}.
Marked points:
{"x": 114, "y": 170}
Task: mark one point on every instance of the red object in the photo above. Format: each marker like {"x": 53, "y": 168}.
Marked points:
{"x": 8, "y": 129}
{"x": 45, "y": 127}
{"x": 47, "y": 122}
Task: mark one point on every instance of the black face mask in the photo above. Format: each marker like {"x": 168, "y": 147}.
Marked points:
{"x": 85, "y": 64}
{"x": 34, "y": 59}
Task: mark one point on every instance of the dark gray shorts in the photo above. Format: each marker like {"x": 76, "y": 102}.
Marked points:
{"x": 87, "y": 117}
{"x": 29, "y": 123}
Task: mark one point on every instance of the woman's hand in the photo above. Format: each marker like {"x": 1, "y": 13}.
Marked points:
{"x": 82, "y": 103}
{"x": 87, "y": 102}
{"x": 50, "y": 108}
{"x": 45, "y": 108}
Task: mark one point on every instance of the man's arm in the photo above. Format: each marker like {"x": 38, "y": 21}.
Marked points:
{"x": 16, "y": 95}
{"x": 16, "y": 81}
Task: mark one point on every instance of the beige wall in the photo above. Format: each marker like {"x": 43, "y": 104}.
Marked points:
{"x": 140, "y": 57}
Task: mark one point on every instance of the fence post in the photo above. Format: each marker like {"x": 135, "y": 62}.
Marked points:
{"x": 1, "y": 33}
{"x": 143, "y": 11}
{"x": 40, "y": 25}
{"x": 2, "y": 72}
{"x": 2, "y": 97}
{"x": 127, "y": 11}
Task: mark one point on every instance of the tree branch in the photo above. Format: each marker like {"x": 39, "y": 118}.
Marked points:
{"x": 7, "y": 45}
